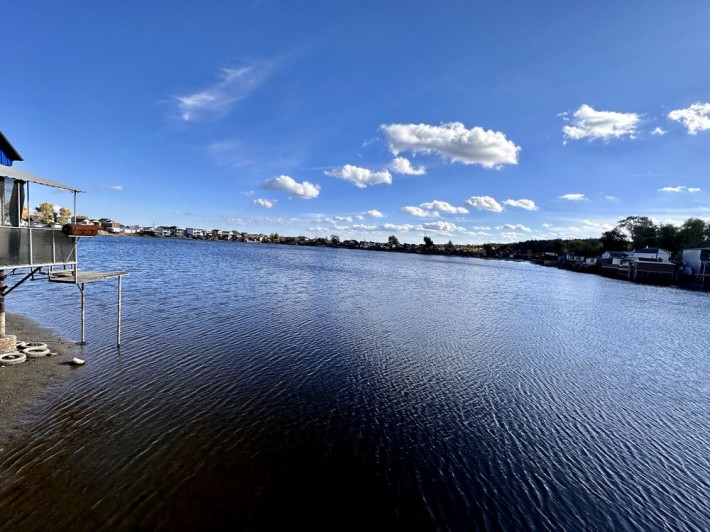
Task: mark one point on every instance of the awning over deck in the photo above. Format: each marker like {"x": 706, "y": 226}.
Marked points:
{"x": 11, "y": 171}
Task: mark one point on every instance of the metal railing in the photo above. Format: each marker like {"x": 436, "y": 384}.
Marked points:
{"x": 23, "y": 247}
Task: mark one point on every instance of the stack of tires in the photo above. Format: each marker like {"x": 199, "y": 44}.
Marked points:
{"x": 24, "y": 351}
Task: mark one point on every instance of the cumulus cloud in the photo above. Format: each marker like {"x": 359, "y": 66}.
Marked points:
{"x": 514, "y": 227}
{"x": 679, "y": 189}
{"x": 264, "y": 203}
{"x": 484, "y": 203}
{"x": 659, "y": 131}
{"x": 401, "y": 165}
{"x": 442, "y": 227}
{"x": 374, "y": 213}
{"x": 695, "y": 118}
{"x": 361, "y": 177}
{"x": 289, "y": 185}
{"x": 443, "y": 206}
{"x": 528, "y": 205}
{"x": 234, "y": 84}
{"x": 592, "y": 124}
{"x": 573, "y": 197}
{"x": 419, "y": 212}
{"x": 454, "y": 142}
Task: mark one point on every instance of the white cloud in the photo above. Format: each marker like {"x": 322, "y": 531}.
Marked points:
{"x": 481, "y": 228}
{"x": 361, "y": 177}
{"x": 514, "y": 227}
{"x": 547, "y": 226}
{"x": 248, "y": 193}
{"x": 679, "y": 189}
{"x": 264, "y": 203}
{"x": 234, "y": 85}
{"x": 117, "y": 188}
{"x": 512, "y": 236}
{"x": 401, "y": 165}
{"x": 695, "y": 118}
{"x": 287, "y": 184}
{"x": 454, "y": 142}
{"x": 528, "y": 205}
{"x": 659, "y": 131}
{"x": 442, "y": 227}
{"x": 611, "y": 198}
{"x": 592, "y": 124}
{"x": 419, "y": 212}
{"x": 573, "y": 197}
{"x": 374, "y": 213}
{"x": 443, "y": 206}
{"x": 484, "y": 203}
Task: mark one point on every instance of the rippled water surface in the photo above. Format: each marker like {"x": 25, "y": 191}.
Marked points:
{"x": 264, "y": 386}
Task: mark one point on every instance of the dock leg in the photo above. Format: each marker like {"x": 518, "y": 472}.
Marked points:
{"x": 118, "y": 325}
{"x": 83, "y": 317}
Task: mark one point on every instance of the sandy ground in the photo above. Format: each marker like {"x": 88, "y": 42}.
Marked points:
{"x": 23, "y": 385}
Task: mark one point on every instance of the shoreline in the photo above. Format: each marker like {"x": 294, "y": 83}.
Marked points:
{"x": 24, "y": 386}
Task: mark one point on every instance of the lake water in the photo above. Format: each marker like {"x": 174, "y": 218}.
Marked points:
{"x": 264, "y": 386}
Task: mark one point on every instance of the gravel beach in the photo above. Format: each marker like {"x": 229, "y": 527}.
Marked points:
{"x": 23, "y": 385}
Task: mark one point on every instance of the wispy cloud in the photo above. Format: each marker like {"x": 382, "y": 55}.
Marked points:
{"x": 374, "y": 213}
{"x": 117, "y": 188}
{"x": 679, "y": 189}
{"x": 233, "y": 85}
{"x": 263, "y": 203}
{"x": 695, "y": 118}
{"x": 361, "y": 177}
{"x": 591, "y": 124}
{"x": 289, "y": 185}
{"x": 573, "y": 197}
{"x": 453, "y": 141}
{"x": 659, "y": 131}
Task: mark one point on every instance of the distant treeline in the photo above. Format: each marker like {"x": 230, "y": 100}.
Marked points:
{"x": 633, "y": 232}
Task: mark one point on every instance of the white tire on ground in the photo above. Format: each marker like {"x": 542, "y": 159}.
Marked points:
{"x": 21, "y": 345}
{"x": 10, "y": 359}
{"x": 36, "y": 352}
{"x": 34, "y": 344}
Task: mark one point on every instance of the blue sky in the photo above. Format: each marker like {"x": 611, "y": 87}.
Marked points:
{"x": 475, "y": 121}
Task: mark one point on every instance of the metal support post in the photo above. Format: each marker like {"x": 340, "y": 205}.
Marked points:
{"x": 118, "y": 326}
{"x": 2, "y": 303}
{"x": 83, "y": 317}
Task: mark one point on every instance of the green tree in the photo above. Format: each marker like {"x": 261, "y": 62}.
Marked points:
{"x": 393, "y": 241}
{"x": 692, "y": 233}
{"x": 45, "y": 213}
{"x": 428, "y": 242}
{"x": 449, "y": 246}
{"x": 668, "y": 237}
{"x": 334, "y": 240}
{"x": 640, "y": 229}
{"x": 614, "y": 240}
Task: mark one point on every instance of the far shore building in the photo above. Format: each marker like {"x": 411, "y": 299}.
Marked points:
{"x": 193, "y": 232}
{"x": 698, "y": 260}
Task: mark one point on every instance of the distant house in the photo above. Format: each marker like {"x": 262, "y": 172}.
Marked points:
{"x": 611, "y": 255}
{"x": 193, "y": 232}
{"x": 656, "y": 254}
{"x": 698, "y": 260}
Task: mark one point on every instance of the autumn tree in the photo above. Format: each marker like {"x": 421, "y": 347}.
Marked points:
{"x": 45, "y": 213}
{"x": 64, "y": 215}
